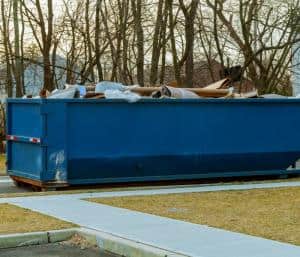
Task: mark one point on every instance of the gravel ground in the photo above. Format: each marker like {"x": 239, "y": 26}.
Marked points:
{"x": 75, "y": 247}
{"x": 53, "y": 250}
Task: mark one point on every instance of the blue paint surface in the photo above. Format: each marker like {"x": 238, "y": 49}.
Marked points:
{"x": 92, "y": 141}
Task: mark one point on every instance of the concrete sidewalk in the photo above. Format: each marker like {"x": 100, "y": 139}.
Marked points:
{"x": 160, "y": 191}
{"x": 5, "y": 179}
{"x": 168, "y": 234}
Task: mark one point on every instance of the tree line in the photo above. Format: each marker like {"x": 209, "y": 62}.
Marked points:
{"x": 134, "y": 41}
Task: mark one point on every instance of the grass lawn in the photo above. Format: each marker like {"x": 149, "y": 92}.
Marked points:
{"x": 14, "y": 219}
{"x": 268, "y": 213}
{"x": 2, "y": 164}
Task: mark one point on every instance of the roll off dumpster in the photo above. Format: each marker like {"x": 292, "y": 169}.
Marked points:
{"x": 61, "y": 142}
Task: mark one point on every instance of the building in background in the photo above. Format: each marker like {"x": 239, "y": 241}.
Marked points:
{"x": 33, "y": 77}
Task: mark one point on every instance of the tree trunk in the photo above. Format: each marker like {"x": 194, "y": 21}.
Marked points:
{"x": 188, "y": 58}
{"x": 22, "y": 49}
{"x": 163, "y": 43}
{"x": 176, "y": 66}
{"x": 18, "y": 64}
{"x": 48, "y": 76}
{"x": 89, "y": 42}
{"x": 189, "y": 64}
{"x": 137, "y": 12}
{"x": 156, "y": 46}
{"x": 9, "y": 80}
{"x": 97, "y": 41}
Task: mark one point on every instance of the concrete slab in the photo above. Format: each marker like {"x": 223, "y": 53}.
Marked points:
{"x": 35, "y": 238}
{"x": 122, "y": 246}
{"x": 17, "y": 240}
{"x": 5, "y": 180}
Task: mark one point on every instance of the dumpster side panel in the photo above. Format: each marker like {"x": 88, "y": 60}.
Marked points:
{"x": 24, "y": 119}
{"x": 118, "y": 141}
{"x": 28, "y": 162}
{"x": 24, "y": 125}
{"x": 56, "y": 138}
{"x": 93, "y": 141}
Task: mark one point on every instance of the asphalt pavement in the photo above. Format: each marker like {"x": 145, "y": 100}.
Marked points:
{"x": 7, "y": 186}
{"x": 53, "y": 250}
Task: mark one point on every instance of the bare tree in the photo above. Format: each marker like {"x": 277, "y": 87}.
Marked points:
{"x": 189, "y": 12}
{"x": 97, "y": 40}
{"x": 147, "y": 41}
{"x": 264, "y": 36}
{"x": 137, "y": 13}
{"x": 42, "y": 28}
{"x": 18, "y": 63}
{"x": 6, "y": 42}
{"x": 156, "y": 47}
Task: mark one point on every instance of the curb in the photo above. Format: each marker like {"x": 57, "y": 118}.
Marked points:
{"x": 122, "y": 246}
{"x": 35, "y": 238}
{"x": 105, "y": 241}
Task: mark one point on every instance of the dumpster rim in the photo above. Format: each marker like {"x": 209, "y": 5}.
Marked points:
{"x": 154, "y": 100}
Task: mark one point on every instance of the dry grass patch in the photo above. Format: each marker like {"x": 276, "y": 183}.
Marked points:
{"x": 268, "y": 213}
{"x": 2, "y": 164}
{"x": 14, "y": 219}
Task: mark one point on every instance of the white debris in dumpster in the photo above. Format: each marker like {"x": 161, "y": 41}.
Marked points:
{"x": 223, "y": 89}
{"x": 107, "y": 85}
{"x": 126, "y": 95}
{"x": 81, "y": 88}
{"x": 71, "y": 92}
{"x": 178, "y": 93}
{"x": 82, "y": 91}
{"x": 273, "y": 96}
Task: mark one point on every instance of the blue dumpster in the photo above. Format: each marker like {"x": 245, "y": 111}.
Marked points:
{"x": 83, "y": 141}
